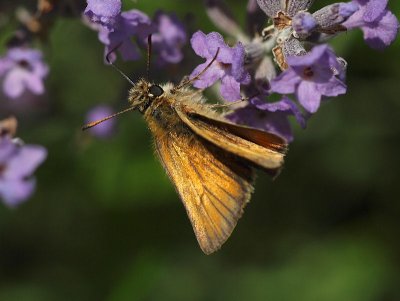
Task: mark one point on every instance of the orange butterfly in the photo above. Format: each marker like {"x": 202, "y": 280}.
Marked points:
{"x": 209, "y": 160}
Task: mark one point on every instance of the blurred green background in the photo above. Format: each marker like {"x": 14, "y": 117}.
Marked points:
{"x": 106, "y": 224}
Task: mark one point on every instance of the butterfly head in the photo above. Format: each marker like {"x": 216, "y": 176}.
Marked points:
{"x": 143, "y": 93}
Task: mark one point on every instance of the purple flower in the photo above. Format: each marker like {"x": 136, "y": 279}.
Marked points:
{"x": 169, "y": 38}
{"x": 229, "y": 64}
{"x": 271, "y": 117}
{"x": 304, "y": 23}
{"x": 103, "y": 12}
{"x": 293, "y": 26}
{"x": 311, "y": 76}
{"x": 22, "y": 69}
{"x": 258, "y": 61}
{"x": 104, "y": 129}
{"x": 17, "y": 163}
{"x": 127, "y": 25}
{"x": 379, "y": 25}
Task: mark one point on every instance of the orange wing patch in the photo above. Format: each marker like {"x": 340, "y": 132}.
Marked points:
{"x": 214, "y": 185}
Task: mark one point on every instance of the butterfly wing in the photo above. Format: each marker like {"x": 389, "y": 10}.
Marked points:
{"x": 264, "y": 149}
{"x": 214, "y": 185}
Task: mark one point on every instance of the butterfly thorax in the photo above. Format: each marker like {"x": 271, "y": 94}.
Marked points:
{"x": 161, "y": 113}
{"x": 159, "y": 105}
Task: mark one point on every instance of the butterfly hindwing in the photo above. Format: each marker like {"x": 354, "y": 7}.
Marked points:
{"x": 214, "y": 185}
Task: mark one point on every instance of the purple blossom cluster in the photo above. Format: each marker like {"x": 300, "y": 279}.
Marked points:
{"x": 288, "y": 60}
{"x": 18, "y": 161}
{"x": 295, "y": 45}
{"x": 22, "y": 69}
{"x": 117, "y": 29}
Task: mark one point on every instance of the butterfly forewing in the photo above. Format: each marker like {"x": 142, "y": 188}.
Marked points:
{"x": 264, "y": 149}
{"x": 214, "y": 185}
{"x": 259, "y": 137}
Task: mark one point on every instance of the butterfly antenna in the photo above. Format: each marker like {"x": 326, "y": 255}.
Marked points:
{"x": 115, "y": 67}
{"x": 149, "y": 50}
{"x": 191, "y": 80}
{"x": 94, "y": 123}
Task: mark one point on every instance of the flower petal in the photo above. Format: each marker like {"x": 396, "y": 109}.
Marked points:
{"x": 308, "y": 96}
{"x": 23, "y": 164}
{"x": 304, "y": 23}
{"x": 7, "y": 150}
{"x": 374, "y": 10}
{"x": 34, "y": 84}
{"x": 209, "y": 77}
{"x": 5, "y": 64}
{"x": 103, "y": 12}
{"x": 284, "y": 105}
{"x": 230, "y": 88}
{"x": 13, "y": 84}
{"x": 309, "y": 59}
{"x": 239, "y": 71}
{"x": 382, "y": 33}
{"x": 13, "y": 192}
{"x": 332, "y": 88}
{"x": 273, "y": 122}
{"x": 286, "y": 82}
{"x": 214, "y": 42}
{"x": 129, "y": 51}
{"x": 199, "y": 45}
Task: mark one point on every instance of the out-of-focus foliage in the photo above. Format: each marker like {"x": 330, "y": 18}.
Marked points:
{"x": 106, "y": 224}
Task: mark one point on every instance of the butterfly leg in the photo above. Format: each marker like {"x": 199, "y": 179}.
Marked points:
{"x": 223, "y": 105}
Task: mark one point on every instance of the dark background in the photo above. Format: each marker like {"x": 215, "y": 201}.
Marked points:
{"x": 106, "y": 224}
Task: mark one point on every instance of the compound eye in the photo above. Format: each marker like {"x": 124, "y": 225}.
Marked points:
{"x": 156, "y": 90}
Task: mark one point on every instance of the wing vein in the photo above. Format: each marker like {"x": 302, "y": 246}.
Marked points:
{"x": 204, "y": 212}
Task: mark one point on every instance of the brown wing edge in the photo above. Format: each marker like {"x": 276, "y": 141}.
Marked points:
{"x": 272, "y": 146}
{"x": 262, "y": 138}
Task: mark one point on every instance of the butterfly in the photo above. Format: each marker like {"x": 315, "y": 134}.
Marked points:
{"x": 210, "y": 161}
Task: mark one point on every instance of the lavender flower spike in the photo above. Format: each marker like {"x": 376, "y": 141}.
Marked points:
{"x": 132, "y": 23}
{"x": 229, "y": 64}
{"x": 311, "y": 76}
{"x": 17, "y": 163}
{"x": 379, "y": 25}
{"x": 22, "y": 69}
